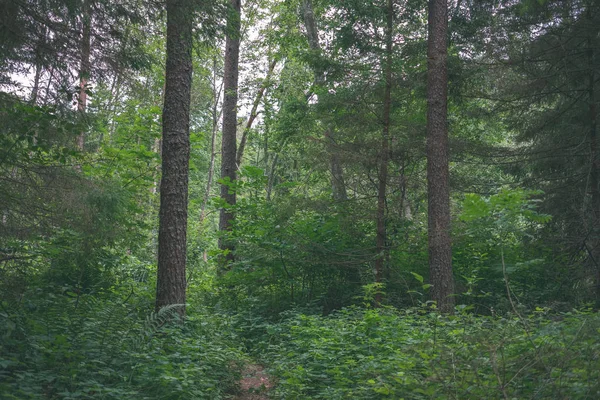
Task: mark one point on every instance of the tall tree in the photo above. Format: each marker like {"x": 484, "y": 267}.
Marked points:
{"x": 43, "y": 36}
{"x": 229, "y": 139}
{"x": 254, "y": 111}
{"x": 438, "y": 176}
{"x": 172, "y": 232}
{"x": 338, "y": 186}
{"x": 216, "y": 116}
{"x": 594, "y": 178}
{"x": 384, "y": 155}
{"x": 84, "y": 66}
{"x": 557, "y": 86}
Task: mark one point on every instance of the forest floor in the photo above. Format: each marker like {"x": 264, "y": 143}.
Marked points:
{"x": 255, "y": 383}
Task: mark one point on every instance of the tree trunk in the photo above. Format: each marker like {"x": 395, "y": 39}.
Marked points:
{"x": 595, "y": 164}
{"x": 84, "y": 69}
{"x": 228, "y": 143}
{"x": 36, "y": 84}
{"x": 271, "y": 180}
{"x": 440, "y": 251}
{"x": 312, "y": 35}
{"x": 213, "y": 139}
{"x": 38, "y": 65}
{"x": 254, "y": 112}
{"x": 172, "y": 231}
{"x": 338, "y": 186}
{"x": 48, "y": 85}
{"x": 381, "y": 247}
{"x": 271, "y": 174}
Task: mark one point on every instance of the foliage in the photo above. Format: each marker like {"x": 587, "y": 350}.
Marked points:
{"x": 56, "y": 346}
{"x": 78, "y": 226}
{"x": 416, "y": 354}
{"x": 296, "y": 252}
{"x": 497, "y": 242}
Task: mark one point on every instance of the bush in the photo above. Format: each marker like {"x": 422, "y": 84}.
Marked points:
{"x": 60, "y": 347}
{"x": 383, "y": 353}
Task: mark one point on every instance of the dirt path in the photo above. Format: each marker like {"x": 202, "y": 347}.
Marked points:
{"x": 255, "y": 383}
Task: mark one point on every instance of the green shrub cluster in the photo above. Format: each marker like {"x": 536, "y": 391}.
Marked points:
{"x": 56, "y": 346}
{"x": 359, "y": 353}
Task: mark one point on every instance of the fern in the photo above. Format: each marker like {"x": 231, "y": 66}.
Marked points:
{"x": 102, "y": 346}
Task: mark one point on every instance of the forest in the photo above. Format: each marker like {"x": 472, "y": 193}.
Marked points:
{"x": 299, "y": 199}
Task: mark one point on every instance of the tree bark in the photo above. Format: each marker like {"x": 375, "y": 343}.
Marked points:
{"x": 36, "y": 84}
{"x": 338, "y": 185}
{"x": 384, "y": 156}
{"x": 312, "y": 36}
{"x": 440, "y": 251}
{"x": 271, "y": 174}
{"x": 84, "y": 68}
{"x": 172, "y": 231}
{"x": 595, "y": 162}
{"x": 228, "y": 143}
{"x": 38, "y": 65}
{"x": 216, "y": 115}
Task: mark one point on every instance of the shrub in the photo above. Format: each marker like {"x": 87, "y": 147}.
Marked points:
{"x": 57, "y": 347}
{"x": 383, "y": 353}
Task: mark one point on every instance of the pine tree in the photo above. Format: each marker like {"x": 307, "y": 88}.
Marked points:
{"x": 438, "y": 177}
{"x": 229, "y": 139}
{"x": 172, "y": 234}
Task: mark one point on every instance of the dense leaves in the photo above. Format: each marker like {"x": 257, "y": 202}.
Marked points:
{"x": 416, "y": 354}
{"x": 66, "y": 346}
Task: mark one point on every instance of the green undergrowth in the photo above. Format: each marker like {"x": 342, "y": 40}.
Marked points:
{"x": 55, "y": 346}
{"x": 365, "y": 353}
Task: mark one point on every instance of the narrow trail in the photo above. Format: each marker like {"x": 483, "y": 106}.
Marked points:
{"x": 255, "y": 383}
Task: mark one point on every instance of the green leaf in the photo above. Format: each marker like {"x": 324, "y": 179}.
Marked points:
{"x": 417, "y": 277}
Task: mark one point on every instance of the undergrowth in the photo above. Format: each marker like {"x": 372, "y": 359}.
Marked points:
{"x": 58, "y": 346}
{"x": 103, "y": 347}
{"x": 364, "y": 353}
